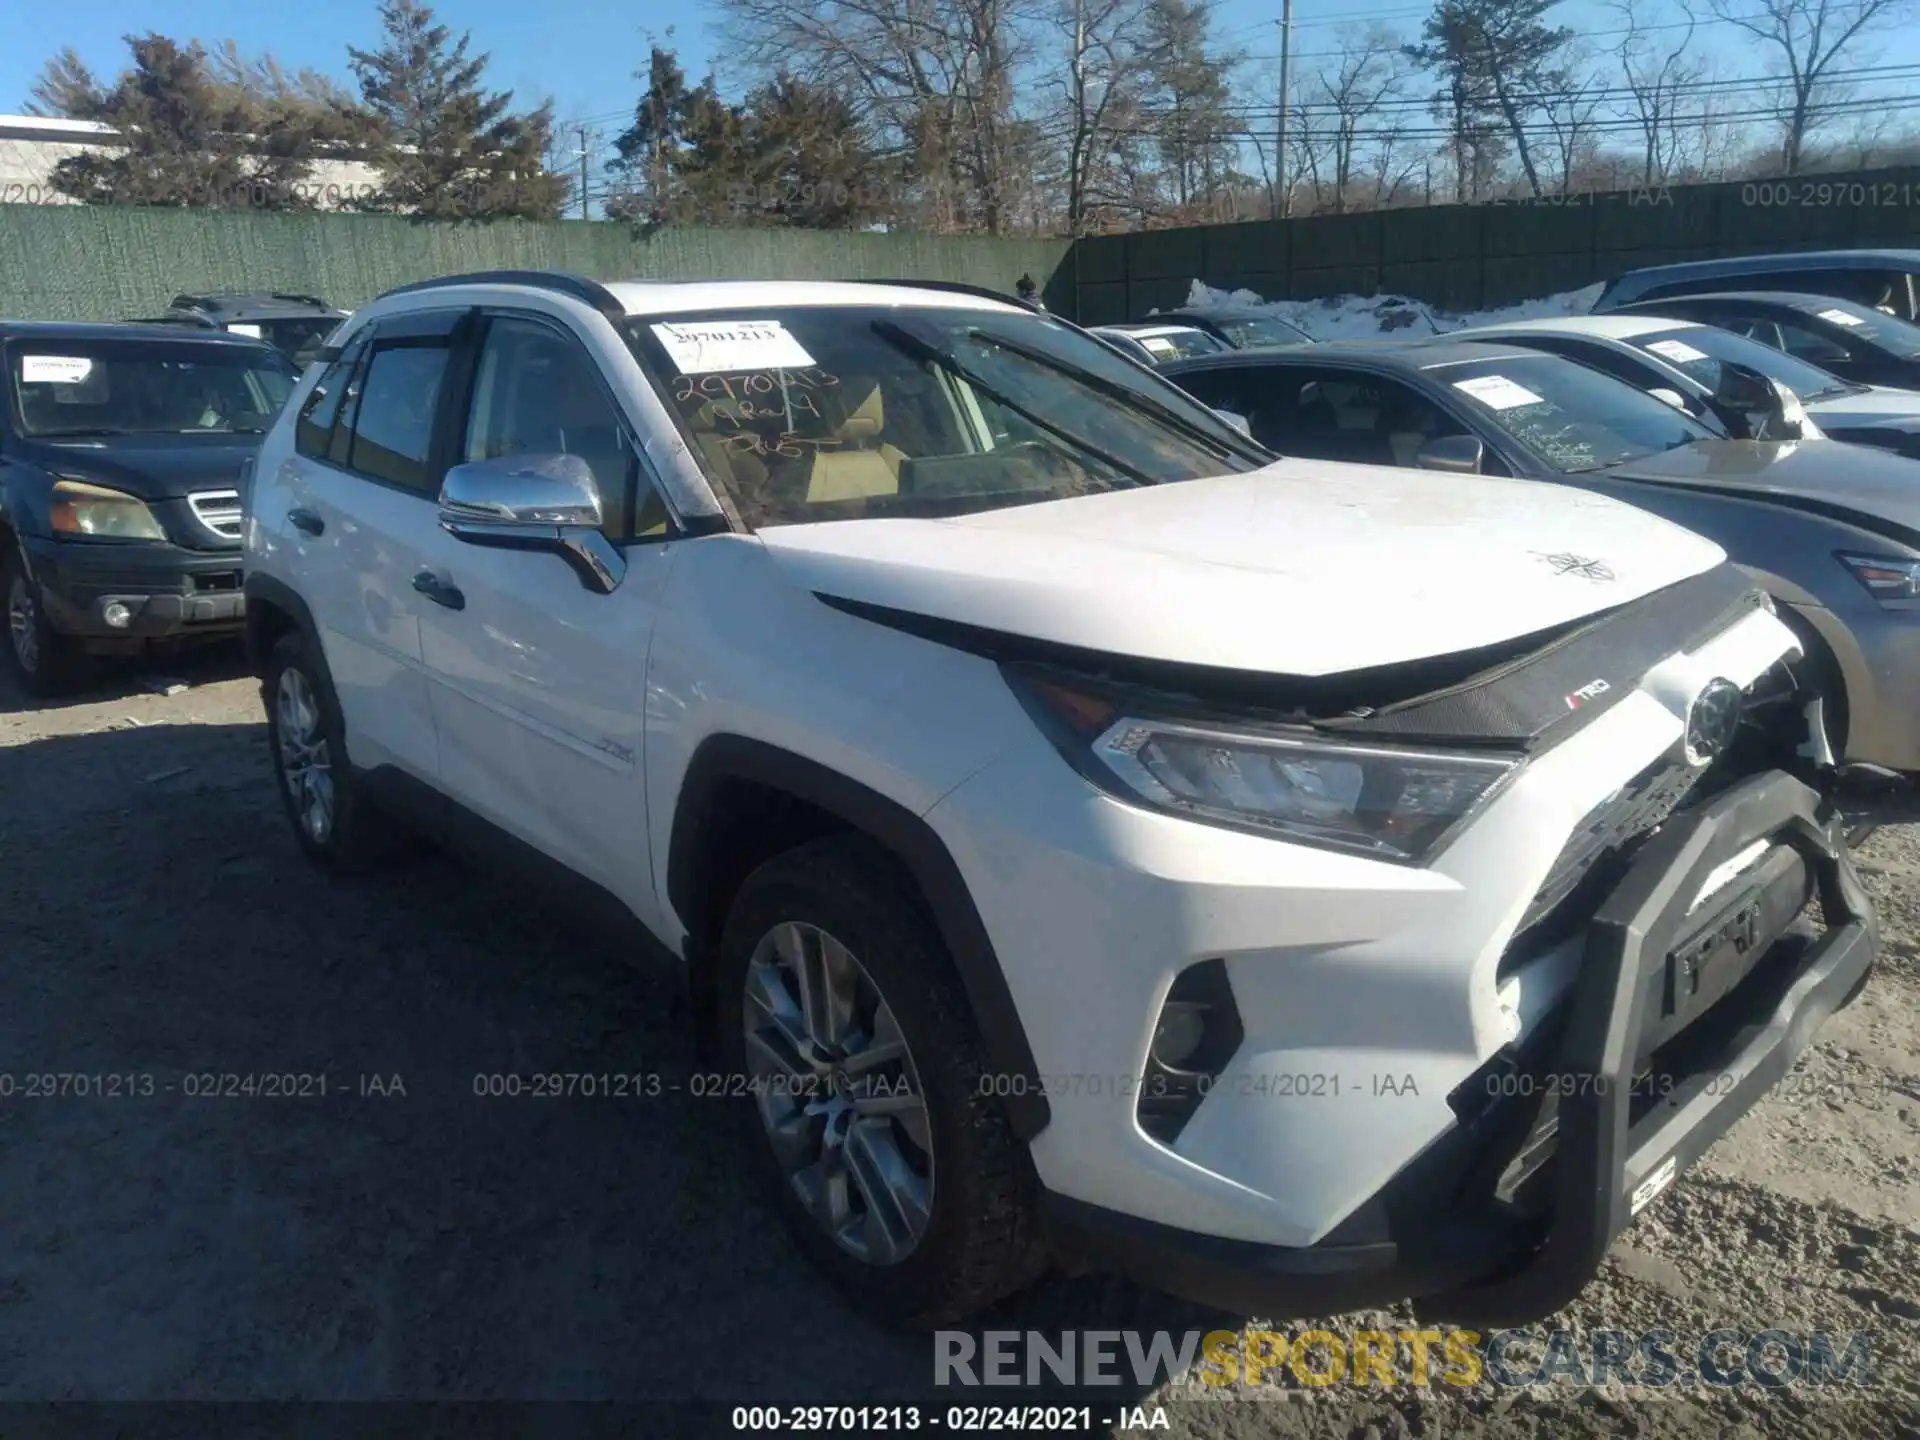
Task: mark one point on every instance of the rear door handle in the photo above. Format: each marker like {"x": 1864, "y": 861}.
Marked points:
{"x": 439, "y": 591}
{"x": 305, "y": 521}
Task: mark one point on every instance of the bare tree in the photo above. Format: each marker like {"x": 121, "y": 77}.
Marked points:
{"x": 1366, "y": 81}
{"x": 1806, "y": 38}
{"x": 1570, "y": 118}
{"x": 1657, "y": 78}
{"x": 1104, "y": 42}
{"x": 938, "y": 75}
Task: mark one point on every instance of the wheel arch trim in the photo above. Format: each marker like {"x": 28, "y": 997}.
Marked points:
{"x": 724, "y": 758}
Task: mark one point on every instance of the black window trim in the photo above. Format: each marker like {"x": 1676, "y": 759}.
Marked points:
{"x": 644, "y": 473}
{"x": 410, "y": 330}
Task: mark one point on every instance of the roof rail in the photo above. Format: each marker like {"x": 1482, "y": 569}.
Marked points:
{"x": 958, "y": 287}
{"x": 577, "y": 286}
{"x": 313, "y": 300}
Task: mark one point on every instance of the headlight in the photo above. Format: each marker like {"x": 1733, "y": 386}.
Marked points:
{"x": 1377, "y": 800}
{"x": 94, "y": 510}
{"x": 1885, "y": 577}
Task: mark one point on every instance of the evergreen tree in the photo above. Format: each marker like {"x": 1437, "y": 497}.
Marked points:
{"x": 447, "y": 147}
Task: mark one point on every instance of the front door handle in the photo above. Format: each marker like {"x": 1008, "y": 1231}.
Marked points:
{"x": 439, "y": 591}
{"x": 305, "y": 521}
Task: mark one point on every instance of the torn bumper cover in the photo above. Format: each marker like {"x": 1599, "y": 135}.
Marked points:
{"x": 1688, "y": 1008}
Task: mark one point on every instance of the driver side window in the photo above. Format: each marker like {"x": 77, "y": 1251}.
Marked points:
{"x": 536, "y": 392}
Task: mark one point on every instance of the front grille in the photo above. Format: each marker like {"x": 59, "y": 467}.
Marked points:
{"x": 1609, "y": 833}
{"x": 219, "y": 580}
{"x": 219, "y": 511}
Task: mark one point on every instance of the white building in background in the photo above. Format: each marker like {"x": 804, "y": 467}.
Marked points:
{"x": 31, "y": 145}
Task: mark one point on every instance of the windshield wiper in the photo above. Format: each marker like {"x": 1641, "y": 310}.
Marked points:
{"x": 1125, "y": 394}
{"x": 77, "y": 432}
{"x": 925, "y": 349}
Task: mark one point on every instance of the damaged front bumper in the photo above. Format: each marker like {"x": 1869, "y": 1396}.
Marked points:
{"x": 1697, "y": 991}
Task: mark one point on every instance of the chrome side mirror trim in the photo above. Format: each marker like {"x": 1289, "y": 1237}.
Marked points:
{"x": 533, "y": 502}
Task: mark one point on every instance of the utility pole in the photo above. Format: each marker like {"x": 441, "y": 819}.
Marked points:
{"x": 1282, "y": 193}
{"x": 583, "y": 172}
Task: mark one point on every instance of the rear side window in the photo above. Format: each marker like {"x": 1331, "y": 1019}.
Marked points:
{"x": 313, "y": 430}
{"x": 393, "y": 425}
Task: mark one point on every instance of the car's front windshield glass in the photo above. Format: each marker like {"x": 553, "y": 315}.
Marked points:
{"x": 811, "y": 413}
{"x": 300, "y": 338}
{"x": 1864, "y": 322}
{"x": 138, "y": 387}
{"x": 1178, "y": 342}
{"x": 1574, "y": 418}
{"x": 1704, "y": 352}
{"x": 1263, "y": 333}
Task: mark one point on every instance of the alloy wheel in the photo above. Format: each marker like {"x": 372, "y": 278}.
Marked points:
{"x": 838, "y": 1093}
{"x": 23, "y": 623}
{"x": 305, "y": 764}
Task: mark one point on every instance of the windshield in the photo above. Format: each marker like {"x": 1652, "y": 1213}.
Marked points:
{"x": 805, "y": 414}
{"x": 300, "y": 338}
{"x": 1178, "y": 343}
{"x": 1876, "y": 327}
{"x": 1704, "y": 352}
{"x": 142, "y": 387}
{"x": 1262, "y": 332}
{"x": 1574, "y": 418}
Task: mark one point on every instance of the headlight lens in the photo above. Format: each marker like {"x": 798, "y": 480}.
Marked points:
{"x": 1884, "y": 576}
{"x": 1386, "y": 802}
{"x": 93, "y": 510}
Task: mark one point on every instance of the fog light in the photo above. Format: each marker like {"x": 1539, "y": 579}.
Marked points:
{"x": 1197, "y": 1033}
{"x": 1183, "y": 1025}
{"x": 116, "y": 614}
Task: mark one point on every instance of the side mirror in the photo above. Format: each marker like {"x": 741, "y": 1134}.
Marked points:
{"x": 1239, "y": 422}
{"x": 1672, "y": 397}
{"x": 1456, "y": 454}
{"x": 1752, "y": 403}
{"x": 533, "y": 502}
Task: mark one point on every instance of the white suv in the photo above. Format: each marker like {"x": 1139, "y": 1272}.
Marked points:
{"x": 1086, "y": 836}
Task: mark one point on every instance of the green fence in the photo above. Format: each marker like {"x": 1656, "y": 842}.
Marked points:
{"x": 74, "y": 262}
{"x": 1468, "y": 257}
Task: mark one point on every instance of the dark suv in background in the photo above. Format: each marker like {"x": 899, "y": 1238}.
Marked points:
{"x": 1883, "y": 279}
{"x": 123, "y": 455}
{"x": 295, "y": 325}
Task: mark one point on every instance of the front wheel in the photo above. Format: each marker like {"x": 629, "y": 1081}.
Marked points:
{"x": 44, "y": 662}
{"x": 845, "y": 1026}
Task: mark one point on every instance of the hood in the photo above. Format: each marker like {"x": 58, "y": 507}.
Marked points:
{"x": 1831, "y": 477}
{"x": 1303, "y": 568}
{"x": 154, "y": 467}
{"x": 1878, "y": 405}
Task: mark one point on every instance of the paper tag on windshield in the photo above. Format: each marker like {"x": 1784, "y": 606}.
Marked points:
{"x": 707, "y": 346}
{"x": 238, "y": 328}
{"x": 1839, "y": 317}
{"x": 1158, "y": 345}
{"x": 1497, "y": 392}
{"x": 1675, "y": 350}
{"x": 54, "y": 369}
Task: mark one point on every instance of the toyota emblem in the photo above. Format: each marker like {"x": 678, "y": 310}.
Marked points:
{"x": 1712, "y": 721}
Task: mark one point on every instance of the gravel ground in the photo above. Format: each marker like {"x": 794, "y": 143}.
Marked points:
{"x": 402, "y": 1238}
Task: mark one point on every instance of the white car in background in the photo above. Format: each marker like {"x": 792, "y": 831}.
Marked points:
{"x": 1083, "y": 834}
{"x": 1695, "y": 361}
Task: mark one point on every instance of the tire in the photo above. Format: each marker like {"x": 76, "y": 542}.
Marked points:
{"x": 978, "y": 1233}
{"x": 334, "y": 824}
{"x": 44, "y": 663}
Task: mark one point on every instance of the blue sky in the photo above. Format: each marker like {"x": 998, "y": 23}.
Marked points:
{"x": 584, "y": 52}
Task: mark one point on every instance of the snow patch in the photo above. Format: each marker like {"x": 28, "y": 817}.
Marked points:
{"x": 1365, "y": 317}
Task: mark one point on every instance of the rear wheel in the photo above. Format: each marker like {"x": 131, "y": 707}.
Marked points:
{"x": 868, "y": 1110}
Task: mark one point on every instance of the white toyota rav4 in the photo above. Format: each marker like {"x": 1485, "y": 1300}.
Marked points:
{"x": 1300, "y": 886}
